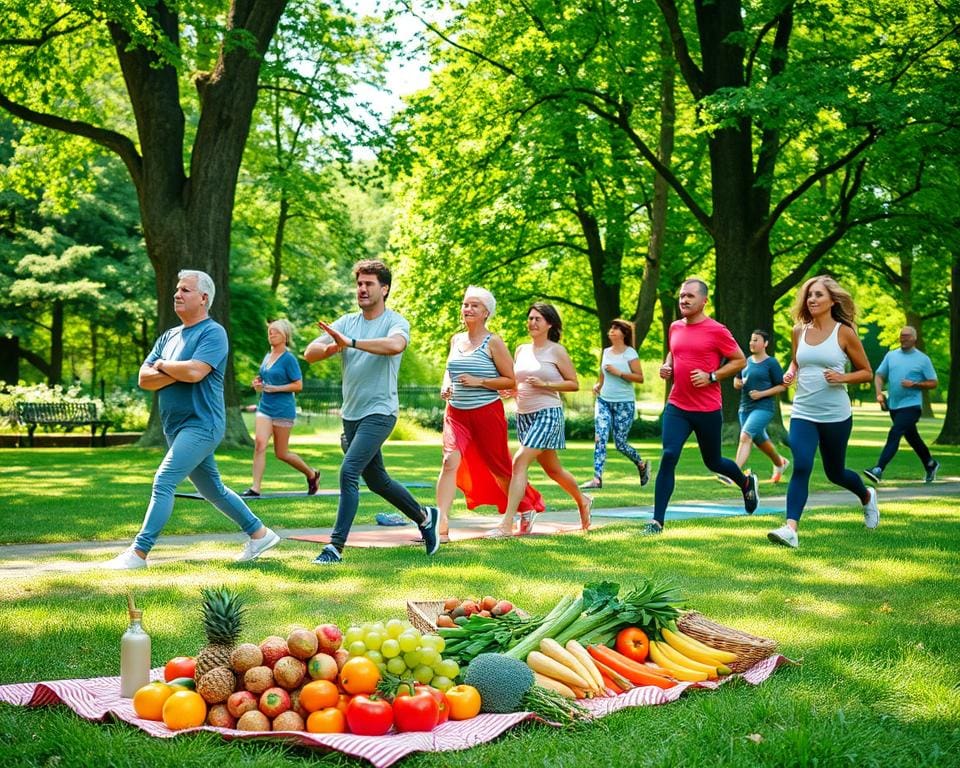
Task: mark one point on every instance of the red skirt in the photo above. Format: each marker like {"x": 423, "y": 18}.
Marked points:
{"x": 480, "y": 435}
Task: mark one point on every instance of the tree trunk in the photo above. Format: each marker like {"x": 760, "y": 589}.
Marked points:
{"x": 277, "y": 255}
{"x": 55, "y": 373}
{"x": 950, "y": 433}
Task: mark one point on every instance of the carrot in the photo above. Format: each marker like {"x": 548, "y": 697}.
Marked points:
{"x": 610, "y": 685}
{"x": 635, "y": 673}
{"x": 615, "y": 677}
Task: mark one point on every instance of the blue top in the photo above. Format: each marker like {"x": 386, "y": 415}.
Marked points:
{"x": 898, "y": 365}
{"x": 370, "y": 381}
{"x": 757, "y": 377}
{"x": 199, "y": 404}
{"x": 616, "y": 389}
{"x": 285, "y": 369}
{"x": 477, "y": 362}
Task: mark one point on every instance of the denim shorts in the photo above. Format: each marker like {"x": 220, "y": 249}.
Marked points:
{"x": 754, "y": 423}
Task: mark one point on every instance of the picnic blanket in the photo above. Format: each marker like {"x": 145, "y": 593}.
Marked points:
{"x": 98, "y": 698}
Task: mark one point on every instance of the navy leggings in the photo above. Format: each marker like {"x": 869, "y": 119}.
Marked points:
{"x": 677, "y": 426}
{"x": 905, "y": 425}
{"x": 805, "y": 438}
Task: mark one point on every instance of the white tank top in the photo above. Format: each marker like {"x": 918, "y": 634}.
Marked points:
{"x": 817, "y": 399}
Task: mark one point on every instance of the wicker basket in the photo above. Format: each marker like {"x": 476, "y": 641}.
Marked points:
{"x": 749, "y": 648}
{"x": 423, "y": 615}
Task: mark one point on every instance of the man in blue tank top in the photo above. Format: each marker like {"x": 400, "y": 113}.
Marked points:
{"x": 371, "y": 344}
{"x": 906, "y": 372}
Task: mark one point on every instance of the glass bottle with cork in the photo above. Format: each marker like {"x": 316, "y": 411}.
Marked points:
{"x": 134, "y": 653}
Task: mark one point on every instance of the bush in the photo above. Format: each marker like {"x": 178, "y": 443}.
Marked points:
{"x": 428, "y": 418}
{"x": 580, "y": 426}
{"x": 129, "y": 411}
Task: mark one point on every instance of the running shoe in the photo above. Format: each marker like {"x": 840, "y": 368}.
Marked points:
{"x": 644, "y": 469}
{"x": 785, "y": 536}
{"x": 751, "y": 495}
{"x": 428, "y": 529}
{"x": 526, "y": 522}
{"x": 256, "y": 547}
{"x": 651, "y": 529}
{"x": 875, "y": 475}
{"x": 128, "y": 560}
{"x": 932, "y": 472}
{"x": 497, "y": 533}
{"x": 313, "y": 483}
{"x": 329, "y": 555}
{"x": 595, "y": 482}
{"x": 778, "y": 471}
{"x": 250, "y": 493}
{"x": 871, "y": 512}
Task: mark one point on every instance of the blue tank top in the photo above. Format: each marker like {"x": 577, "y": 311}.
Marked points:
{"x": 477, "y": 362}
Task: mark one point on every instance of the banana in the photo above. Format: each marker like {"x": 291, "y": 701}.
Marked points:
{"x": 675, "y": 670}
{"x": 696, "y": 650}
{"x": 685, "y": 661}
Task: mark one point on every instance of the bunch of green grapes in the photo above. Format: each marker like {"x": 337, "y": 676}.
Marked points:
{"x": 397, "y": 647}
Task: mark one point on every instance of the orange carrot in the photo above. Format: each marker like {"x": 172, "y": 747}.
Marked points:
{"x": 634, "y": 672}
{"x": 610, "y": 685}
{"x": 615, "y": 677}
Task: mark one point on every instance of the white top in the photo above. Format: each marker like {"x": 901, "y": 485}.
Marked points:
{"x": 817, "y": 399}
{"x": 616, "y": 389}
{"x": 541, "y": 363}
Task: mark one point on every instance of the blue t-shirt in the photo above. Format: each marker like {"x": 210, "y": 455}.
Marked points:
{"x": 757, "y": 377}
{"x": 285, "y": 369}
{"x": 898, "y": 365}
{"x": 370, "y": 381}
{"x": 201, "y": 403}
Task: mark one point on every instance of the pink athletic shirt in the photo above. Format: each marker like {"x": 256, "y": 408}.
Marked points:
{"x": 703, "y": 345}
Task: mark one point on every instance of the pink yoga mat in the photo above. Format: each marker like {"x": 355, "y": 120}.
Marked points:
{"x": 97, "y": 698}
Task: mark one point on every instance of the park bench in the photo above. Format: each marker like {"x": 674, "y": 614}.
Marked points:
{"x": 68, "y": 415}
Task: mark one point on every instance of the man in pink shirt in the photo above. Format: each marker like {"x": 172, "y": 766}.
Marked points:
{"x": 702, "y": 353}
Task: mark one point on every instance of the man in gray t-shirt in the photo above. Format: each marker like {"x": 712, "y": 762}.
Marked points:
{"x": 371, "y": 344}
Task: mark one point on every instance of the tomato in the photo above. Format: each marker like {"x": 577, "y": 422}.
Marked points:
{"x": 180, "y": 666}
{"x": 359, "y": 675}
{"x": 184, "y": 709}
{"x": 464, "y": 701}
{"x": 148, "y": 701}
{"x": 633, "y": 643}
{"x": 329, "y": 720}
{"x": 416, "y": 712}
{"x": 441, "y": 701}
{"x": 369, "y": 715}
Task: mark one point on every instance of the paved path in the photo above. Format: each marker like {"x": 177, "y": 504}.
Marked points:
{"x": 26, "y": 560}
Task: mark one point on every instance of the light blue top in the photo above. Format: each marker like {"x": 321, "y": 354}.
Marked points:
{"x": 817, "y": 399}
{"x": 758, "y": 377}
{"x": 615, "y": 389}
{"x": 200, "y": 403}
{"x": 285, "y": 370}
{"x": 477, "y": 362}
{"x": 898, "y": 365}
{"x": 370, "y": 381}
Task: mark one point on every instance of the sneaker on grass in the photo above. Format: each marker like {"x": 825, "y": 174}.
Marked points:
{"x": 329, "y": 555}
{"x": 875, "y": 475}
{"x": 431, "y": 541}
{"x": 871, "y": 513}
{"x": 256, "y": 547}
{"x": 778, "y": 471}
{"x": 751, "y": 495}
{"x": 785, "y": 536}
{"x": 651, "y": 529}
{"x": 127, "y": 560}
{"x": 932, "y": 472}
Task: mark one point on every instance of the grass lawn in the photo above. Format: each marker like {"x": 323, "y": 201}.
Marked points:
{"x": 874, "y": 615}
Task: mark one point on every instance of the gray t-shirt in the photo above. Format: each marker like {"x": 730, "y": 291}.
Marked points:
{"x": 200, "y": 404}
{"x": 370, "y": 381}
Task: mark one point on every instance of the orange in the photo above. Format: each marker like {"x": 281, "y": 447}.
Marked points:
{"x": 343, "y": 701}
{"x": 464, "y": 702}
{"x": 148, "y": 701}
{"x": 319, "y": 694}
{"x": 359, "y": 675}
{"x": 184, "y": 709}
{"x": 329, "y": 720}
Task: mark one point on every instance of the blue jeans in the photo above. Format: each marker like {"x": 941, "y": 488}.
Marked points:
{"x": 190, "y": 454}
{"x": 618, "y": 417}
{"x": 904, "y": 425}
{"x": 805, "y": 438}
{"x": 677, "y": 426}
{"x": 363, "y": 458}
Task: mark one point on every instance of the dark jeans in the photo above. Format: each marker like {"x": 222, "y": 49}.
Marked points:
{"x": 364, "y": 459}
{"x": 904, "y": 425}
{"x": 677, "y": 426}
{"x": 805, "y": 438}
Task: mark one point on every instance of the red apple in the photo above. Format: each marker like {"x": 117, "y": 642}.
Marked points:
{"x": 274, "y": 701}
{"x": 240, "y": 702}
{"x": 220, "y": 717}
{"x": 329, "y": 638}
{"x": 323, "y": 667}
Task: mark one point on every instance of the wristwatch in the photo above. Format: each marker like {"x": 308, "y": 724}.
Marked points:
{"x": 353, "y": 343}
{"x": 713, "y": 377}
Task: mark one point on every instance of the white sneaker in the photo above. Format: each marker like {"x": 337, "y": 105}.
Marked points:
{"x": 871, "y": 513}
{"x": 785, "y": 536}
{"x": 778, "y": 471}
{"x": 256, "y": 547}
{"x": 127, "y": 560}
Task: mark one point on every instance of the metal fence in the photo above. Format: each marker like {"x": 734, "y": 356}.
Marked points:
{"x": 323, "y": 398}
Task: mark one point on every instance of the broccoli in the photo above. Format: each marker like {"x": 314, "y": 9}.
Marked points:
{"x": 506, "y": 685}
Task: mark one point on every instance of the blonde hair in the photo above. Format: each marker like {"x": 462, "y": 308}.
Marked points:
{"x": 284, "y": 327}
{"x": 843, "y": 310}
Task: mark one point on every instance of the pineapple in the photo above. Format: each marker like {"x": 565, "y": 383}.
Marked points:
{"x": 217, "y": 685}
{"x": 223, "y": 615}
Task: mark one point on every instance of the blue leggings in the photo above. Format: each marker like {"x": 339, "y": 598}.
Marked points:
{"x": 190, "y": 454}
{"x": 805, "y": 438}
{"x": 618, "y": 417}
{"x": 677, "y": 426}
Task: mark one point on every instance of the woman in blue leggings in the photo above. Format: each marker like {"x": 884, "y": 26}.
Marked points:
{"x": 825, "y": 344}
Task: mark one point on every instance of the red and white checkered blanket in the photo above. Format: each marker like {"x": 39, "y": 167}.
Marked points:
{"x": 96, "y": 698}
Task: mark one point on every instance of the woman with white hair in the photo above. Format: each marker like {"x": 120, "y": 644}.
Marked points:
{"x": 277, "y": 381}
{"x": 476, "y": 458}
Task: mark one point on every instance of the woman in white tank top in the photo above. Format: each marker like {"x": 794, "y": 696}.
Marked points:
{"x": 825, "y": 344}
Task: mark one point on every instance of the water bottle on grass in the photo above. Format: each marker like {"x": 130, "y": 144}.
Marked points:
{"x": 134, "y": 654}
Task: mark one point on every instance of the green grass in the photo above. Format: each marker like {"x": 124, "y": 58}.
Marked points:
{"x": 874, "y": 615}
